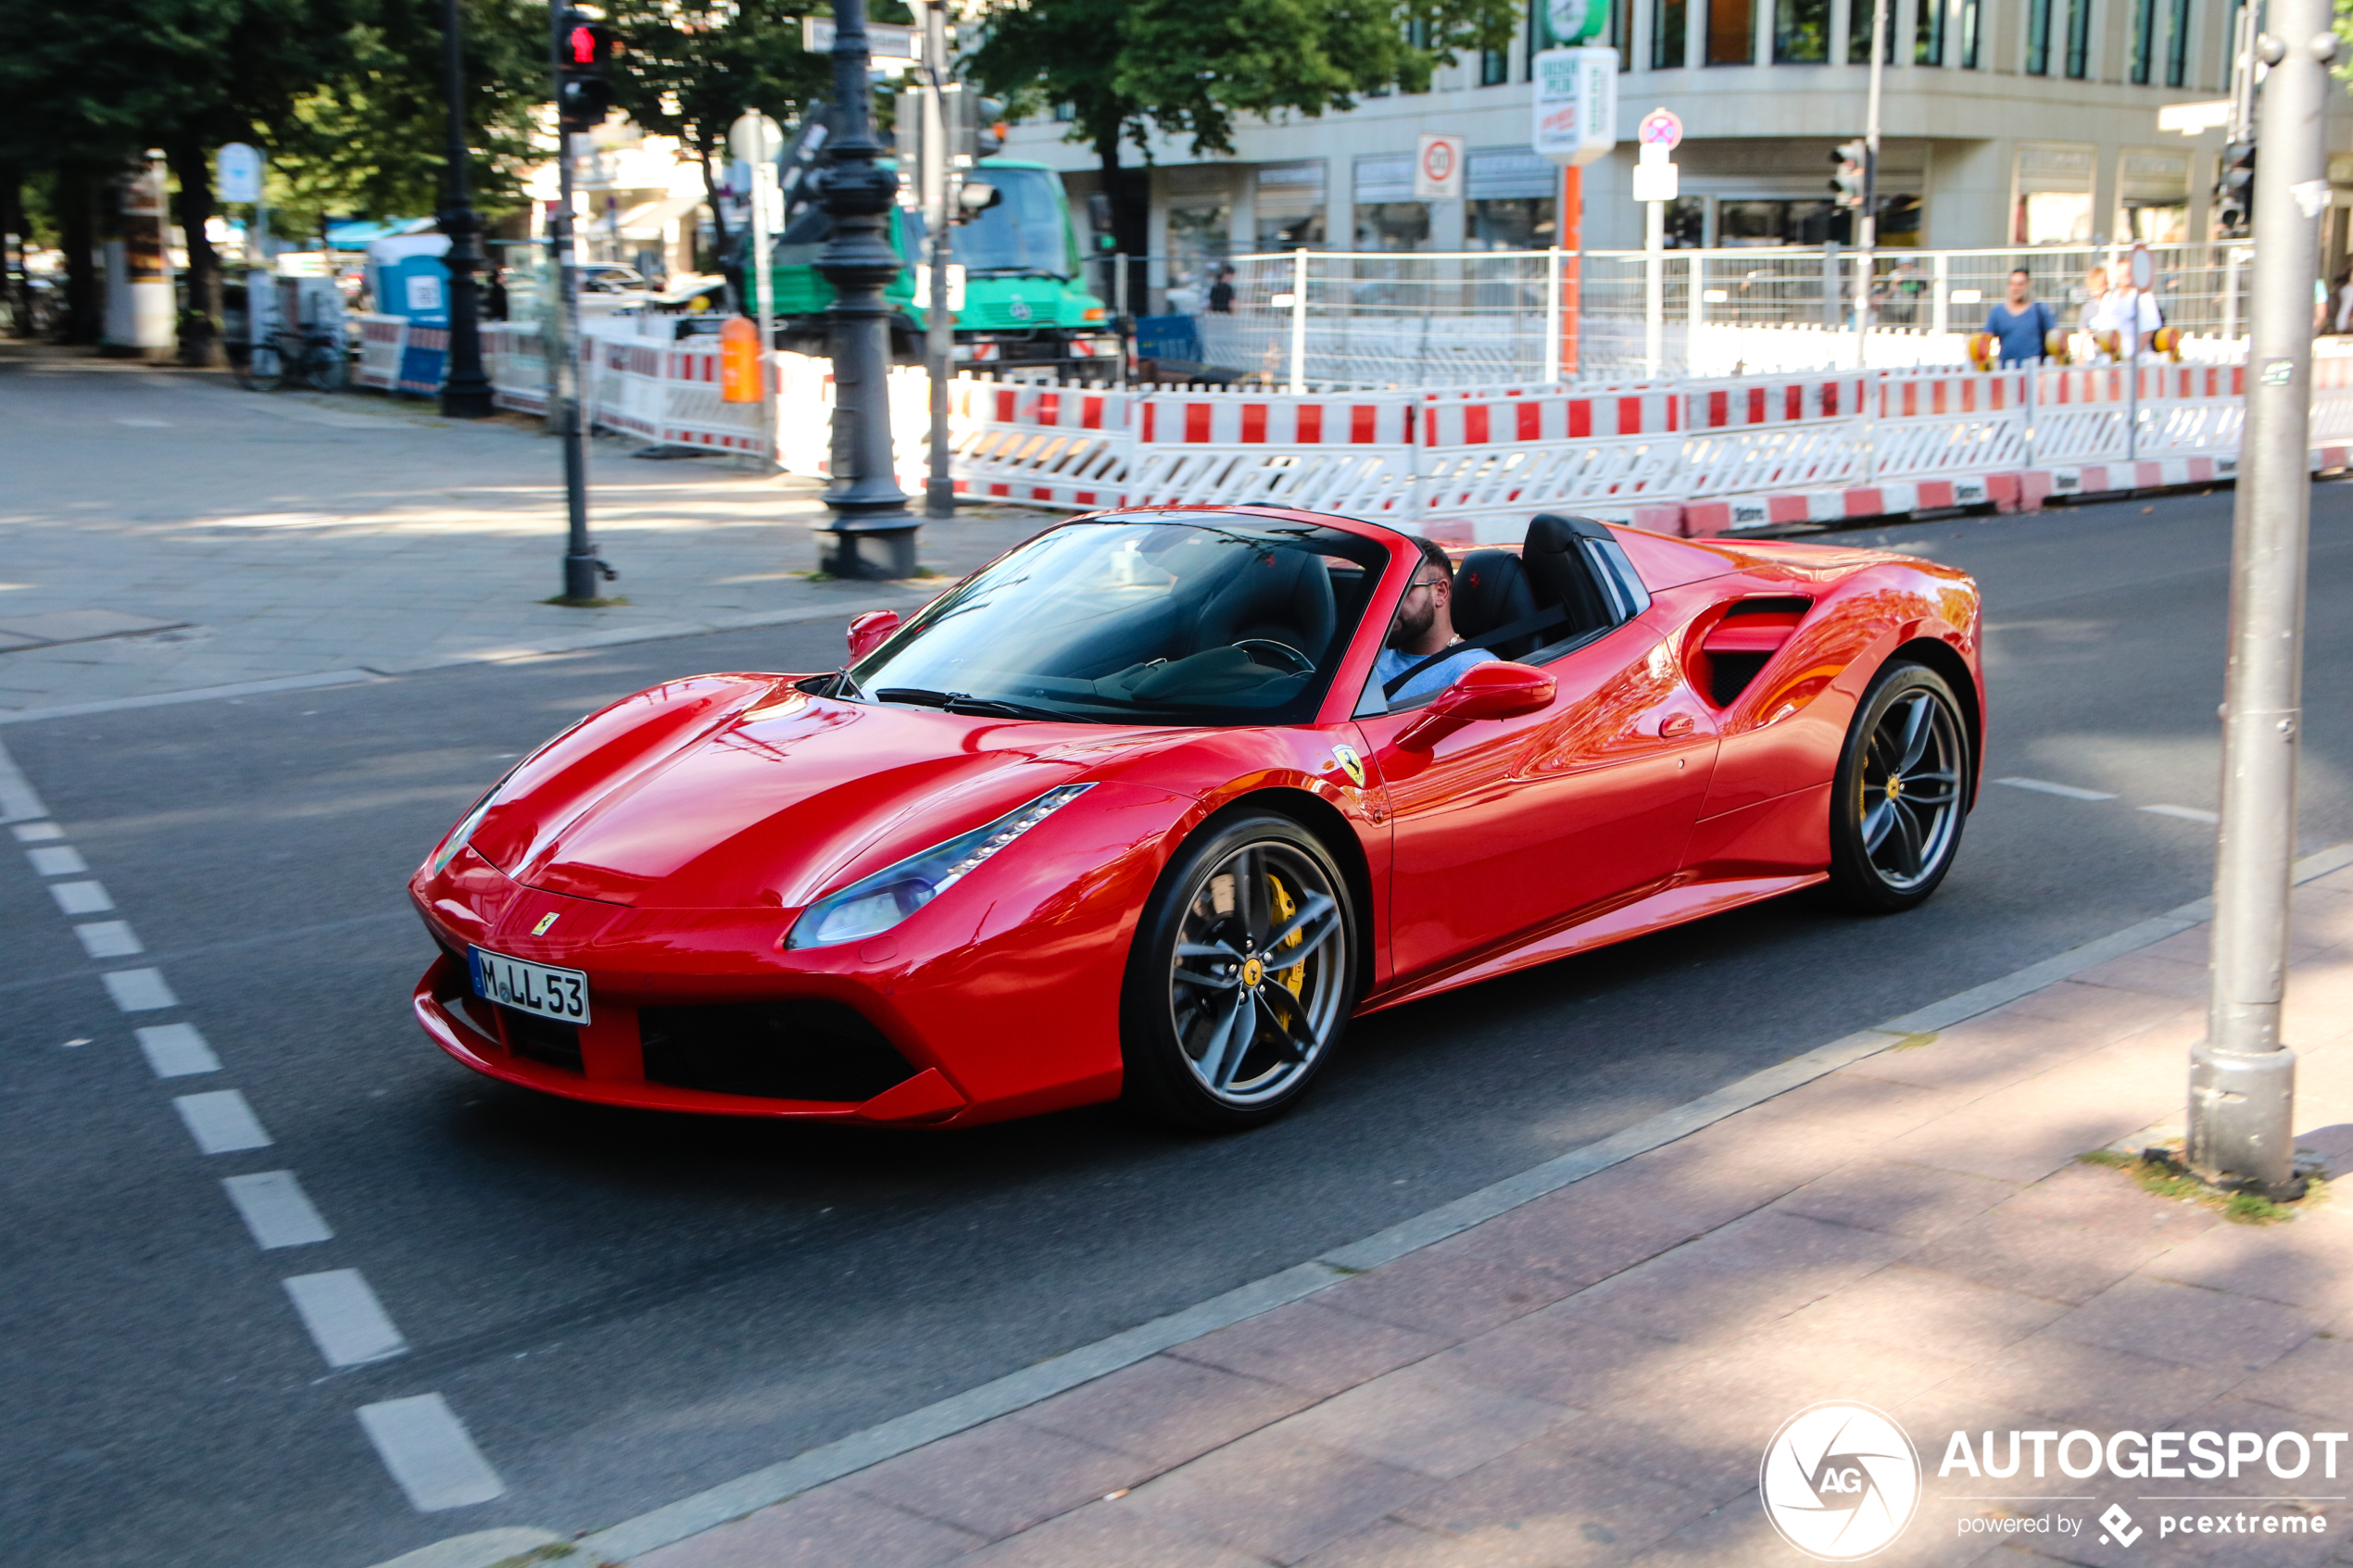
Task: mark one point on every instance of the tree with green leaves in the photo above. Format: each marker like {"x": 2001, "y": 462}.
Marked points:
{"x": 1129, "y": 69}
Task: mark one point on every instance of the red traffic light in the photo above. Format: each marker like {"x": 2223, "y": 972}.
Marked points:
{"x": 582, "y": 45}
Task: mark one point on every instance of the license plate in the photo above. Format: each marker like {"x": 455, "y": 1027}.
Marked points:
{"x": 540, "y": 988}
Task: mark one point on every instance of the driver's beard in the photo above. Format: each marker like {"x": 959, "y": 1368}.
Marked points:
{"x": 1414, "y": 623}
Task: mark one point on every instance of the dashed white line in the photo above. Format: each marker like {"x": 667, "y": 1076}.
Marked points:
{"x": 81, "y": 898}
{"x": 2188, "y": 814}
{"x": 59, "y": 860}
{"x": 344, "y": 1319}
{"x": 2044, "y": 786}
{"x": 176, "y": 1051}
{"x": 222, "y": 1122}
{"x": 276, "y": 1209}
{"x": 18, "y": 802}
{"x": 108, "y": 939}
{"x": 426, "y": 1447}
{"x": 35, "y": 833}
{"x": 139, "y": 990}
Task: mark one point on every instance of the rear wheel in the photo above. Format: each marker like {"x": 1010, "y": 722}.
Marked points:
{"x": 327, "y": 367}
{"x": 1241, "y": 979}
{"x": 262, "y": 369}
{"x": 1895, "y": 809}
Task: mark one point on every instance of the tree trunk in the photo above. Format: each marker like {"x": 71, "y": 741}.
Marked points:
{"x": 710, "y": 200}
{"x": 1131, "y": 207}
{"x": 12, "y": 247}
{"x": 77, "y": 190}
{"x": 200, "y": 323}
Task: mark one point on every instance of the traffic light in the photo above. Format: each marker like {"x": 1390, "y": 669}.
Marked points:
{"x": 1846, "y": 185}
{"x": 584, "y": 53}
{"x": 975, "y": 125}
{"x": 2234, "y": 192}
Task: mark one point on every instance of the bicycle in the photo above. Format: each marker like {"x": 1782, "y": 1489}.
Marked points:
{"x": 309, "y": 356}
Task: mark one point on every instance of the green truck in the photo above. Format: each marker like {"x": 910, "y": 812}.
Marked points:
{"x": 1023, "y": 305}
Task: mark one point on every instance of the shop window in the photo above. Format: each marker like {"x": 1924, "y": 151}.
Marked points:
{"x": 2158, "y": 223}
{"x": 1802, "y": 31}
{"x": 1509, "y": 223}
{"x": 2053, "y": 217}
{"x": 1928, "y": 34}
{"x": 1392, "y": 226}
{"x": 1729, "y": 40}
{"x": 1199, "y": 237}
{"x": 1669, "y": 35}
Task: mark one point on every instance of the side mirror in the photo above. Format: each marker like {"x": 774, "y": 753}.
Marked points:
{"x": 1501, "y": 690}
{"x": 870, "y": 630}
{"x": 976, "y": 196}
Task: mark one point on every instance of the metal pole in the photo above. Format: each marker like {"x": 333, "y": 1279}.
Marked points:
{"x": 1694, "y": 311}
{"x": 939, "y": 326}
{"x": 465, "y": 391}
{"x": 1298, "y": 322}
{"x": 1553, "y": 317}
{"x": 1119, "y": 313}
{"x": 580, "y": 564}
{"x": 2242, "y": 1075}
{"x": 864, "y": 495}
{"x": 1654, "y": 285}
{"x": 1866, "y": 221}
{"x": 764, "y": 193}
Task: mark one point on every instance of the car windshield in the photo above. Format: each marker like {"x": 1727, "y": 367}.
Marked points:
{"x": 1022, "y": 233}
{"x": 1140, "y": 620}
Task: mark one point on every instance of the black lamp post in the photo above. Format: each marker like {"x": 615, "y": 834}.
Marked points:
{"x": 465, "y": 395}
{"x": 870, "y": 511}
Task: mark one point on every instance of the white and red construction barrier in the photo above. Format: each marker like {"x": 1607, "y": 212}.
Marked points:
{"x": 1694, "y": 457}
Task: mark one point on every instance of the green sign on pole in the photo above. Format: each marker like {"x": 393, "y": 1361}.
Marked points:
{"x": 1567, "y": 24}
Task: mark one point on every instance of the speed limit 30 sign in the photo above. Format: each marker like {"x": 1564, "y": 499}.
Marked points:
{"x": 1438, "y": 169}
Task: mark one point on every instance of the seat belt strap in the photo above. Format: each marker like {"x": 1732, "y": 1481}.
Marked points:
{"x": 1519, "y": 628}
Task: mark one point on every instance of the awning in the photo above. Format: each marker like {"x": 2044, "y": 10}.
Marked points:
{"x": 652, "y": 220}
{"x": 356, "y": 234}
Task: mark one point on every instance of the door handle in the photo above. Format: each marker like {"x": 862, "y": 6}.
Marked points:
{"x": 1676, "y": 724}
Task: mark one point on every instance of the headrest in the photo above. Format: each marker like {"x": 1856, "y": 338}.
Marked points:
{"x": 1560, "y": 571}
{"x": 1491, "y": 590}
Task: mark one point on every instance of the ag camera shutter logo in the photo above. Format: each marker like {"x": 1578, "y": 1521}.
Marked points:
{"x": 1840, "y": 1481}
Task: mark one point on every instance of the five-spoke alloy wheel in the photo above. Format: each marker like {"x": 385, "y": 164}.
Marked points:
{"x": 1243, "y": 974}
{"x": 1902, "y": 791}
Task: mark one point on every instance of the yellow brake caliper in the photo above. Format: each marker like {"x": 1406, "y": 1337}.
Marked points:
{"x": 1294, "y": 979}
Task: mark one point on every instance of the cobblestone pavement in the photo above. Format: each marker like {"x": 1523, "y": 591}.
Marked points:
{"x": 242, "y": 537}
{"x": 1594, "y": 1376}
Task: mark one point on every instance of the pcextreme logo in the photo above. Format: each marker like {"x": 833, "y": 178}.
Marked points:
{"x": 1840, "y": 1481}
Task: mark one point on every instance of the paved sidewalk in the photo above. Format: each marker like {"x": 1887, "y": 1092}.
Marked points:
{"x": 1593, "y": 1377}
{"x": 270, "y": 537}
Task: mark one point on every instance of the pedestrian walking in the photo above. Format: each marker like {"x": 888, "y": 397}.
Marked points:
{"x": 2021, "y": 324}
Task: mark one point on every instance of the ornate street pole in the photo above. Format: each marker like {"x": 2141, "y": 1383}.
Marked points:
{"x": 864, "y": 497}
{"x": 465, "y": 395}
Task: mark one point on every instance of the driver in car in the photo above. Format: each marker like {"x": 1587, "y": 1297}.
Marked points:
{"x": 1425, "y": 625}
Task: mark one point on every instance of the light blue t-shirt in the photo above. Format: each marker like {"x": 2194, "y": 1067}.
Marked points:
{"x": 1437, "y": 678}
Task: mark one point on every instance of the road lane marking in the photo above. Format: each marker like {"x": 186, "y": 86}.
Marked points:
{"x": 1019, "y": 1391}
{"x": 277, "y": 1210}
{"x": 222, "y": 1122}
{"x": 176, "y": 1051}
{"x": 35, "y": 833}
{"x": 2188, "y": 814}
{"x": 200, "y": 693}
{"x": 59, "y": 860}
{"x": 345, "y": 1321}
{"x": 139, "y": 990}
{"x": 426, "y": 1447}
{"x": 108, "y": 939}
{"x": 81, "y": 897}
{"x": 2044, "y": 786}
{"x": 17, "y": 801}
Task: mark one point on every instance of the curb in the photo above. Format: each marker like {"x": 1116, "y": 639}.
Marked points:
{"x": 731, "y": 1500}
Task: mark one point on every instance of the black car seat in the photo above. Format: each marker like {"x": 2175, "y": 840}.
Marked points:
{"x": 1560, "y": 573}
{"x": 1282, "y": 596}
{"x": 1490, "y": 590}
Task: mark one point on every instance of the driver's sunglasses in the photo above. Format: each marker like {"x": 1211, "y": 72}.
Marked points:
{"x": 1431, "y": 582}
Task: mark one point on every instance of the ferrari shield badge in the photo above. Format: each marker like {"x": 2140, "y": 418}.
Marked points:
{"x": 1351, "y": 764}
{"x": 545, "y": 921}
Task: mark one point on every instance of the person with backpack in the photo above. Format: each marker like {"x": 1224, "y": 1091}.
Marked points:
{"x": 2020, "y": 324}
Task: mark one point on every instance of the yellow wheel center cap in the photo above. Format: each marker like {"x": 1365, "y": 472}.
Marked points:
{"x": 1252, "y": 972}
{"x": 1895, "y": 787}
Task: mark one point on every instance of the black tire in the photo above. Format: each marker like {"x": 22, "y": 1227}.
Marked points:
{"x": 327, "y": 367}
{"x": 262, "y": 370}
{"x": 1244, "y": 888}
{"x": 1901, "y": 794}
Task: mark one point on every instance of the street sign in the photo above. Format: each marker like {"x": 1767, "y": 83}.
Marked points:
{"x": 1576, "y": 104}
{"x": 1570, "y": 24}
{"x": 1438, "y": 169}
{"x": 1655, "y": 179}
{"x": 240, "y": 176}
{"x": 885, "y": 43}
{"x": 2143, "y": 268}
{"x": 754, "y": 138}
{"x": 1660, "y": 128}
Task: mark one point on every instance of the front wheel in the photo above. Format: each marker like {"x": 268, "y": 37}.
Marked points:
{"x": 327, "y": 367}
{"x": 1896, "y": 807}
{"x": 262, "y": 369}
{"x": 1242, "y": 978}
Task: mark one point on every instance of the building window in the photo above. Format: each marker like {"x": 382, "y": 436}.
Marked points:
{"x": 1669, "y": 34}
{"x": 1972, "y": 20}
{"x": 1494, "y": 67}
{"x": 1290, "y": 205}
{"x": 1621, "y": 32}
{"x": 2144, "y": 40}
{"x": 1729, "y": 37}
{"x": 2038, "y": 37}
{"x": 1859, "y": 23}
{"x": 2177, "y": 46}
{"x": 1417, "y": 32}
{"x": 2079, "y": 39}
{"x": 1802, "y": 31}
{"x": 1927, "y": 36}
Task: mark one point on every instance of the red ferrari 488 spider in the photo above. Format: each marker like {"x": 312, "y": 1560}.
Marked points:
{"x": 1149, "y": 807}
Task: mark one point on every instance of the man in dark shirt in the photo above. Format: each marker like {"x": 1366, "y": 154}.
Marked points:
{"x": 2021, "y": 323}
{"x": 1221, "y": 293}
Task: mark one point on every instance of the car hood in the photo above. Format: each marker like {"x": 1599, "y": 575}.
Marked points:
{"x": 785, "y": 797}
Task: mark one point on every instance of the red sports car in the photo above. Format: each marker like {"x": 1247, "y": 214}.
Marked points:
{"x": 1149, "y": 807}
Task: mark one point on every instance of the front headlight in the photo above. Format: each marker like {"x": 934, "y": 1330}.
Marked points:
{"x": 465, "y": 828}
{"x": 876, "y": 903}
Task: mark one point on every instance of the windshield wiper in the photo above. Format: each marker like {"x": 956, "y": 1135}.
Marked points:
{"x": 1015, "y": 273}
{"x": 965, "y": 703}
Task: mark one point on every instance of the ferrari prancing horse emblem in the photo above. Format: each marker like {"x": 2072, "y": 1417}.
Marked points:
{"x": 1351, "y": 764}
{"x": 545, "y": 921}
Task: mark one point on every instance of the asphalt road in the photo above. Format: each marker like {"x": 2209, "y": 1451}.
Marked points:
{"x": 625, "y": 1307}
